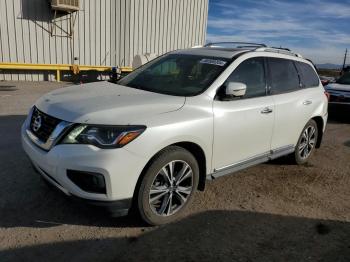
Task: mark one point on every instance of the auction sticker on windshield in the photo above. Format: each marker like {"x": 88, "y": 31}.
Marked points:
{"x": 212, "y": 62}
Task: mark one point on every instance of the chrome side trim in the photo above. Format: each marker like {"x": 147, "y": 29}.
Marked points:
{"x": 281, "y": 151}
{"x": 53, "y": 138}
{"x": 252, "y": 161}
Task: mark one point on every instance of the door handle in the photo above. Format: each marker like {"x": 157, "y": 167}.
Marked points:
{"x": 266, "y": 110}
{"x": 307, "y": 102}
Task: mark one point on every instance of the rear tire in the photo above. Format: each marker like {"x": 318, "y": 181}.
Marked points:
{"x": 168, "y": 186}
{"x": 306, "y": 143}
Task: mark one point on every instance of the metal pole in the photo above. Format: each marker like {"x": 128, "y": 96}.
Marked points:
{"x": 346, "y": 52}
{"x": 58, "y": 76}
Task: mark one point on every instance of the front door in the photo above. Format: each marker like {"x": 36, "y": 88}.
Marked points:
{"x": 243, "y": 126}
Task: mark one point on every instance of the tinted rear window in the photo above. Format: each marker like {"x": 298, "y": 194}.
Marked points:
{"x": 308, "y": 75}
{"x": 284, "y": 75}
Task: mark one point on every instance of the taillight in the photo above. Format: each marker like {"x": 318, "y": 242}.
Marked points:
{"x": 327, "y": 95}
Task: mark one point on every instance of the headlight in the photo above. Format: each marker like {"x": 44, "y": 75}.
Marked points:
{"x": 103, "y": 136}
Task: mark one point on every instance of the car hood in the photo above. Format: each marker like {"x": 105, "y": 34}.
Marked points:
{"x": 106, "y": 103}
{"x": 336, "y": 86}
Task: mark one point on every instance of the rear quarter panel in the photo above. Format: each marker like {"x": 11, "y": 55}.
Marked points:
{"x": 292, "y": 115}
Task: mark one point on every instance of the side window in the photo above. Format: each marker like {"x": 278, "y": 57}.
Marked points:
{"x": 284, "y": 75}
{"x": 308, "y": 75}
{"x": 252, "y": 73}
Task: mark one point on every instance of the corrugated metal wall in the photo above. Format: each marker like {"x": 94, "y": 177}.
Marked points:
{"x": 106, "y": 32}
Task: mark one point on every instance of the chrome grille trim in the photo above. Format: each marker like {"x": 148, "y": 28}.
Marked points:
{"x": 46, "y": 124}
{"x": 56, "y": 134}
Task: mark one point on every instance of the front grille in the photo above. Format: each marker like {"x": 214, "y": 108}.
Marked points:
{"x": 42, "y": 125}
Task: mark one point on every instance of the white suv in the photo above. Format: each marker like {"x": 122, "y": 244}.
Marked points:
{"x": 152, "y": 139}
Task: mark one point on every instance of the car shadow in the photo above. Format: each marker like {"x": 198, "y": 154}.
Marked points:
{"x": 208, "y": 236}
{"x": 7, "y": 88}
{"x": 283, "y": 160}
{"x": 26, "y": 201}
{"x": 339, "y": 114}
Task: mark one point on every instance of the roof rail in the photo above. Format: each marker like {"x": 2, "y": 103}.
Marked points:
{"x": 238, "y": 44}
{"x": 282, "y": 48}
{"x": 279, "y": 50}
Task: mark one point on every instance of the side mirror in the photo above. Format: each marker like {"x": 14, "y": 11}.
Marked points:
{"x": 235, "y": 89}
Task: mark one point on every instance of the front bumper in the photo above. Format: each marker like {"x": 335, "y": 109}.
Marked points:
{"x": 114, "y": 208}
{"x": 120, "y": 168}
{"x": 339, "y": 97}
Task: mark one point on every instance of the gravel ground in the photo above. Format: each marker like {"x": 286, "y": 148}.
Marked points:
{"x": 271, "y": 212}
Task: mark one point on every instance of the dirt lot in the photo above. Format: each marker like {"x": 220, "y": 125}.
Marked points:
{"x": 271, "y": 212}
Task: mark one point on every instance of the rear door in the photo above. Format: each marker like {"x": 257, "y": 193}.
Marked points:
{"x": 243, "y": 127}
{"x": 313, "y": 94}
{"x": 293, "y": 103}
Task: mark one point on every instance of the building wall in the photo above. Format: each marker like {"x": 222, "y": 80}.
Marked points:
{"x": 106, "y": 32}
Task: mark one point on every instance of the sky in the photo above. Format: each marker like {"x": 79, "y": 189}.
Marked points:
{"x": 317, "y": 29}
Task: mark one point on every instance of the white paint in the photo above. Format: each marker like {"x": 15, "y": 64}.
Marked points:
{"x": 227, "y": 131}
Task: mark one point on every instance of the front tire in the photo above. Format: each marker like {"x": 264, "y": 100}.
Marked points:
{"x": 306, "y": 143}
{"x": 168, "y": 186}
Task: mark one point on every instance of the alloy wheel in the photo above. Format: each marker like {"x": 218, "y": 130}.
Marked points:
{"x": 307, "y": 142}
{"x": 171, "y": 188}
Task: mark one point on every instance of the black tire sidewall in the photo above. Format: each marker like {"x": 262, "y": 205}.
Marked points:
{"x": 165, "y": 156}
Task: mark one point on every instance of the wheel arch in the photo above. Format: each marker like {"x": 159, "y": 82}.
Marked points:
{"x": 194, "y": 149}
{"x": 320, "y": 125}
{"x": 199, "y": 155}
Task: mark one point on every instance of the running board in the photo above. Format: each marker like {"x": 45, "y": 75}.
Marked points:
{"x": 259, "y": 159}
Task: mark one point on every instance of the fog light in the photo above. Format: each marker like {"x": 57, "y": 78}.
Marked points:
{"x": 88, "y": 181}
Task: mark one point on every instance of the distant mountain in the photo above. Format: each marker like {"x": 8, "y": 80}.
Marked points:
{"x": 328, "y": 66}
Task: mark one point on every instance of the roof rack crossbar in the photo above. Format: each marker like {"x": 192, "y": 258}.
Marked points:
{"x": 245, "y": 44}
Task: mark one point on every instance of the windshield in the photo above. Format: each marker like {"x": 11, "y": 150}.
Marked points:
{"x": 344, "y": 79}
{"x": 176, "y": 74}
